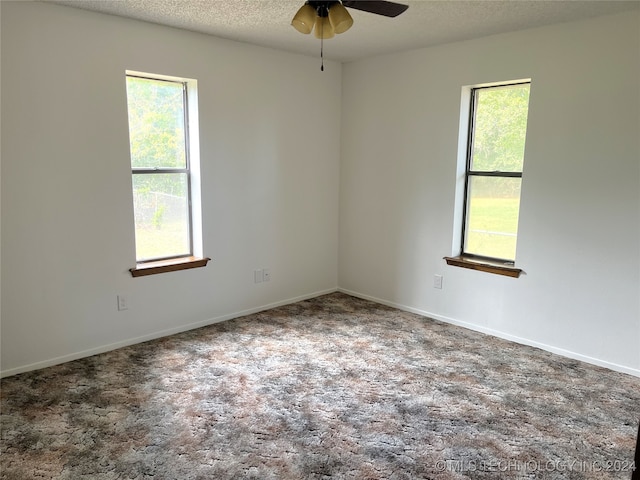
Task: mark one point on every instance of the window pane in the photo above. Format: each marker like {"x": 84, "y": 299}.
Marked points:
{"x": 492, "y": 217}
{"x": 500, "y": 128}
{"x": 161, "y": 214}
{"x": 156, "y": 123}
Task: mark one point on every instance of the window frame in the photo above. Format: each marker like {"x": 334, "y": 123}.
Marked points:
{"x": 163, "y": 171}
{"x": 464, "y": 259}
{"x": 185, "y": 260}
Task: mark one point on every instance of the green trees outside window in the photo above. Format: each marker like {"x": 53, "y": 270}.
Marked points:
{"x": 158, "y": 137}
{"x": 494, "y": 170}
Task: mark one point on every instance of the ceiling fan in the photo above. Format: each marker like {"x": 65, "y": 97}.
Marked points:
{"x": 331, "y": 17}
{"x": 328, "y": 17}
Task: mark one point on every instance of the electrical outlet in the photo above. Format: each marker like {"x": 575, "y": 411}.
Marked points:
{"x": 437, "y": 281}
{"x": 123, "y": 304}
{"x": 266, "y": 274}
{"x": 258, "y": 276}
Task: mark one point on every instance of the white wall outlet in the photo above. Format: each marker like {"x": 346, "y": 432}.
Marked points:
{"x": 258, "y": 276}
{"x": 123, "y": 304}
{"x": 437, "y": 281}
{"x": 266, "y": 274}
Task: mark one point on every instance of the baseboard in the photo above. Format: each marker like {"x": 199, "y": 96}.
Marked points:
{"x": 159, "y": 334}
{"x": 242, "y": 313}
{"x": 499, "y": 334}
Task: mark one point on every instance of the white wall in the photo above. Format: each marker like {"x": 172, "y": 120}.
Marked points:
{"x": 579, "y": 240}
{"x": 67, "y": 219}
{"x": 270, "y": 202}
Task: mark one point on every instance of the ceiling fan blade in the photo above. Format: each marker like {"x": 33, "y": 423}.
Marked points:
{"x": 379, "y": 7}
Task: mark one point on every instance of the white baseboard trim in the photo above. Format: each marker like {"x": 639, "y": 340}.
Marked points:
{"x": 499, "y": 334}
{"x": 159, "y": 334}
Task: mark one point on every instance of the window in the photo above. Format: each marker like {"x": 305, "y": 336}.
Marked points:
{"x": 162, "y": 171}
{"x": 493, "y": 174}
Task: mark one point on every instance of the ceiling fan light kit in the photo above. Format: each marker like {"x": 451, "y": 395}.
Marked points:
{"x": 323, "y": 28}
{"x": 305, "y": 19}
{"x": 339, "y": 18}
{"x": 328, "y": 17}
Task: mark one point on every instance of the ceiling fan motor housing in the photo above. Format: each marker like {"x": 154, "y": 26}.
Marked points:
{"x": 322, "y": 7}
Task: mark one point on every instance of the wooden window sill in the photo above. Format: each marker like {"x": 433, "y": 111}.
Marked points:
{"x": 483, "y": 265}
{"x": 170, "y": 265}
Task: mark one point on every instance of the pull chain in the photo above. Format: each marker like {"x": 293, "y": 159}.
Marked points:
{"x": 322, "y": 54}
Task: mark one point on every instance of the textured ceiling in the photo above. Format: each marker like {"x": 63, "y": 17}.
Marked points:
{"x": 425, "y": 23}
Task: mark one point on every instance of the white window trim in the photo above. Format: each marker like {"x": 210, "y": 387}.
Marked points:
{"x": 457, "y": 258}
{"x": 197, "y": 258}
